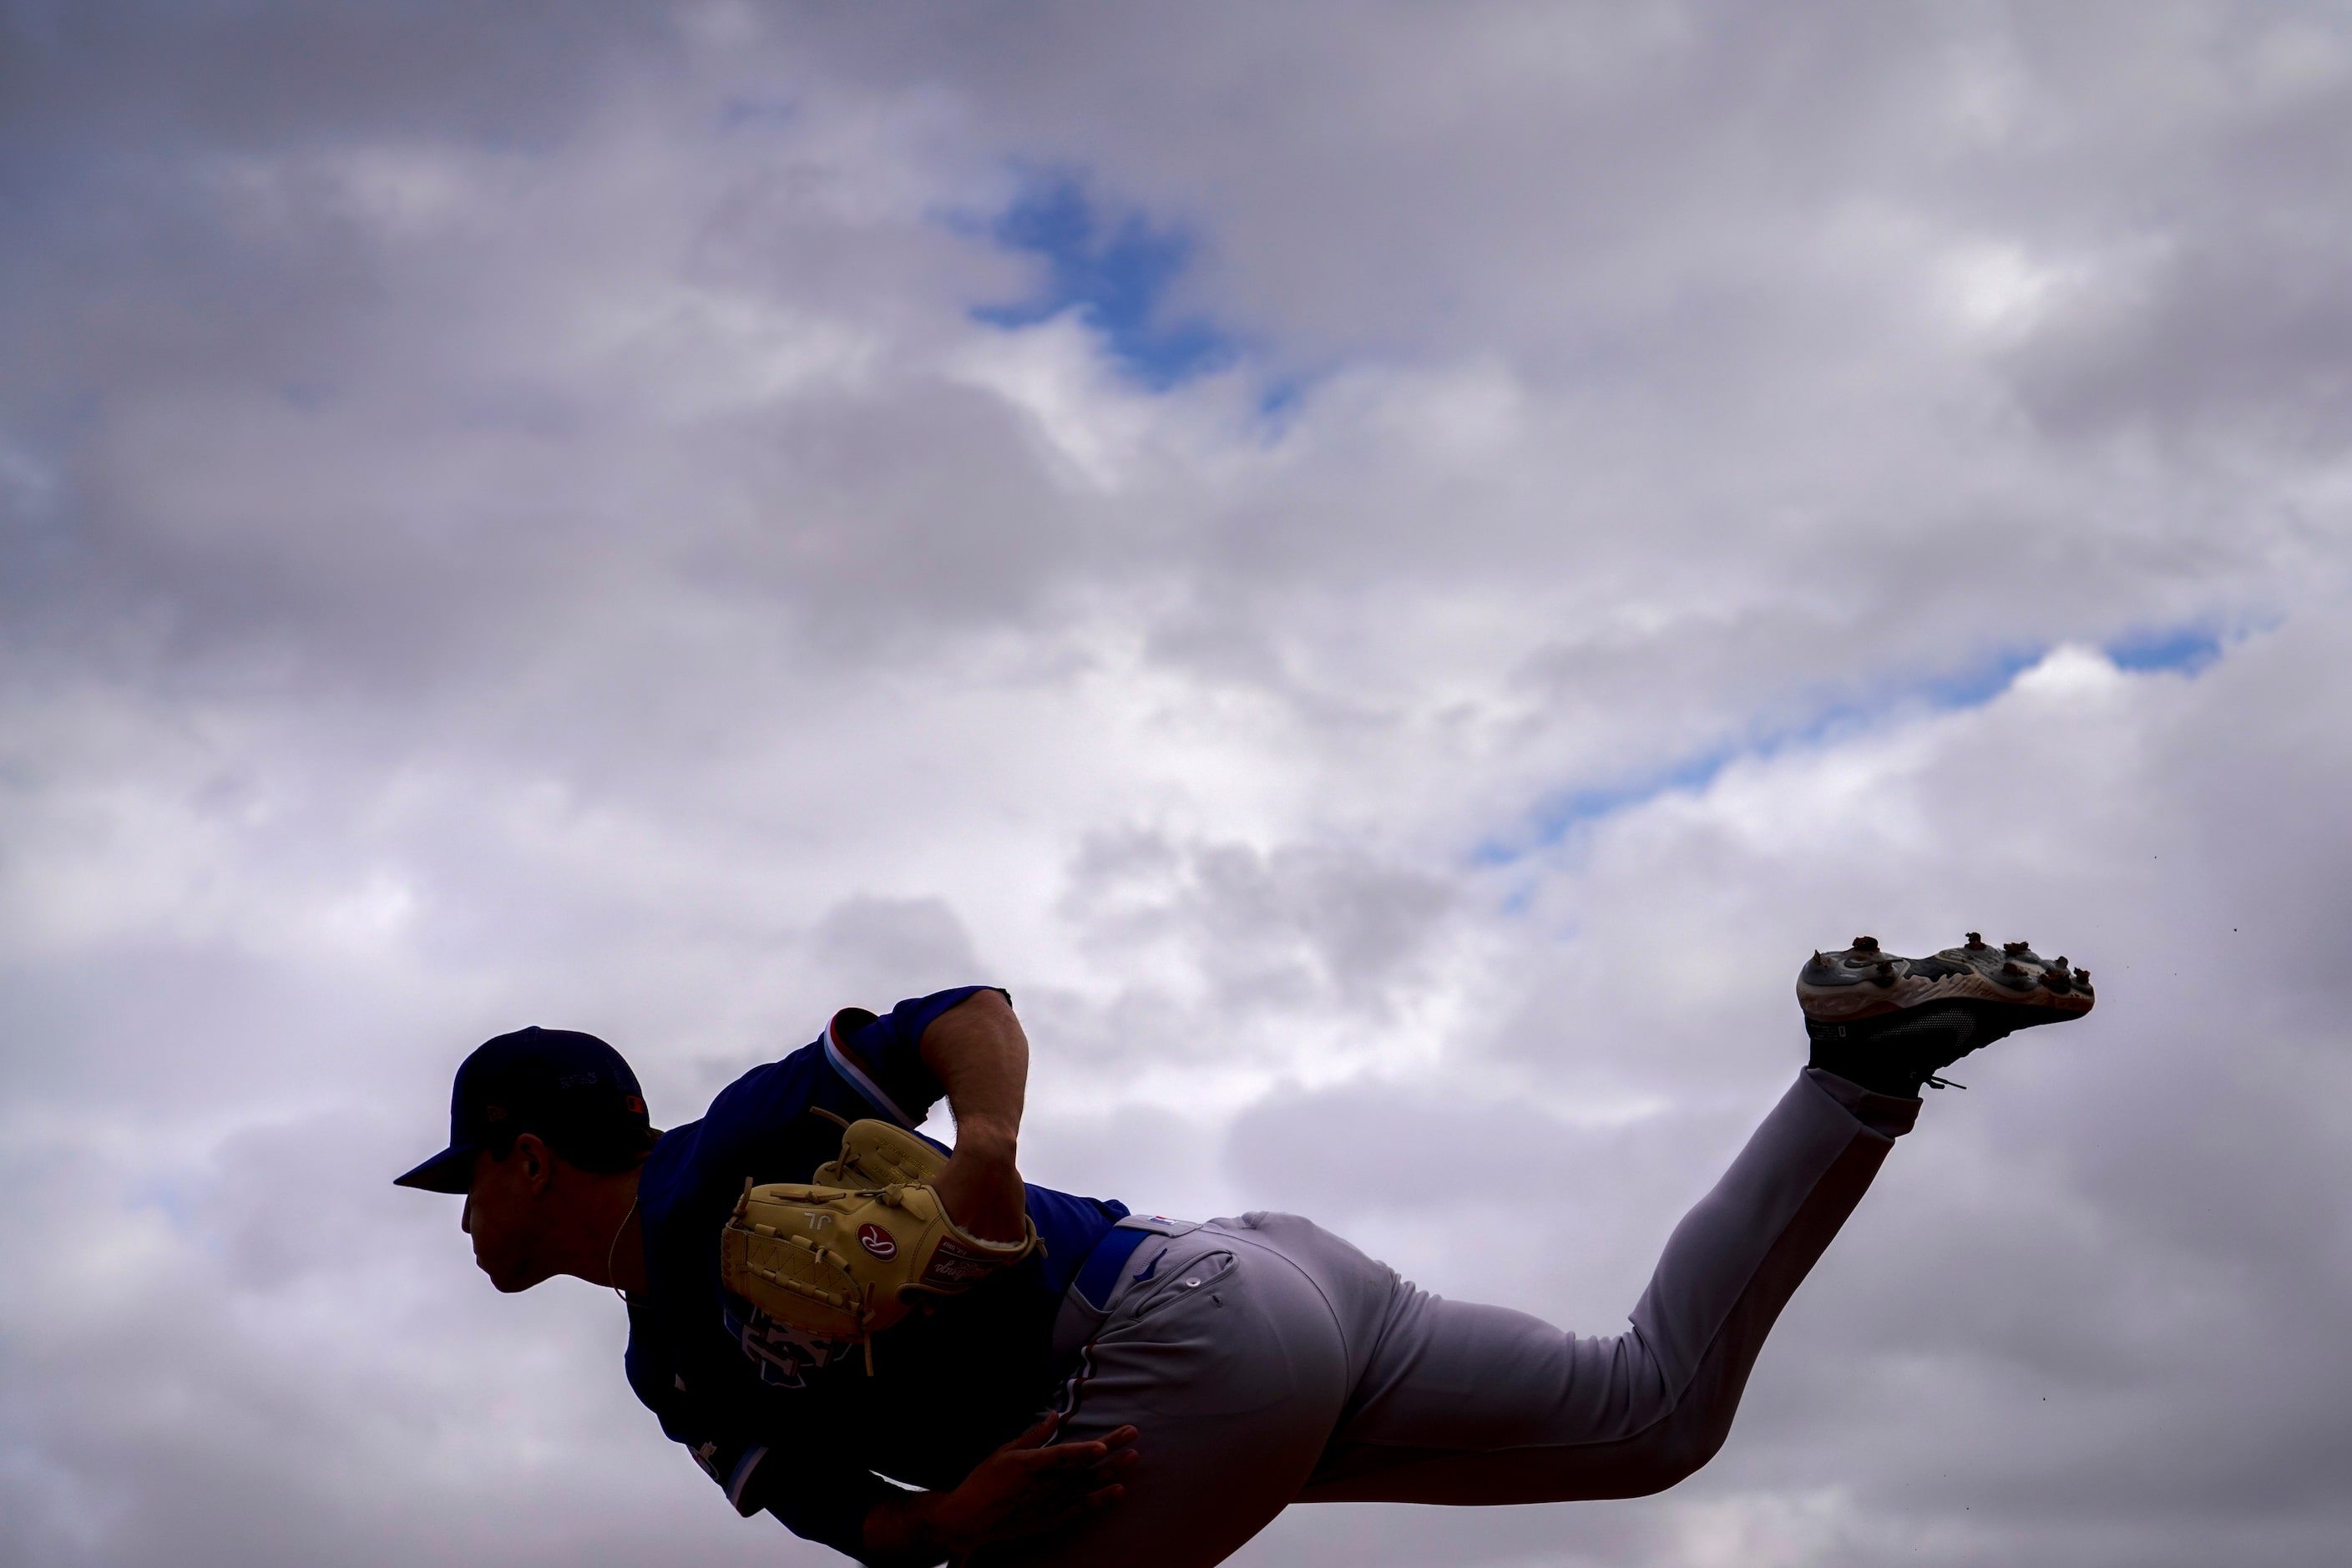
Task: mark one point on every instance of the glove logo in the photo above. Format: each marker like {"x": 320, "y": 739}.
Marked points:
{"x": 876, "y": 1240}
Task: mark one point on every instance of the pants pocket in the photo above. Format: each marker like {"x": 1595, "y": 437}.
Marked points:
{"x": 1209, "y": 1339}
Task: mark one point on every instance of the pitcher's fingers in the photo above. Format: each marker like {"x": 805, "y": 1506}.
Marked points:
{"x": 1069, "y": 1455}
{"x": 1112, "y": 1464}
{"x": 1038, "y": 1436}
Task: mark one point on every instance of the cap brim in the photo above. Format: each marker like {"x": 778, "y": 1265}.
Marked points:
{"x": 450, "y": 1170}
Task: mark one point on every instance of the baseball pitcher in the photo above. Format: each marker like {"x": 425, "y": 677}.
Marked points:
{"x": 904, "y": 1351}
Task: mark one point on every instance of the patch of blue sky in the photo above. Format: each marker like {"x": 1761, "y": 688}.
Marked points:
{"x": 1558, "y": 817}
{"x": 2186, "y": 650}
{"x": 1114, "y": 268}
{"x": 1281, "y": 401}
{"x": 1971, "y": 687}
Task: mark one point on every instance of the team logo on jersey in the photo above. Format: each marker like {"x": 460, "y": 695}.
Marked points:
{"x": 876, "y": 1240}
{"x": 785, "y": 1355}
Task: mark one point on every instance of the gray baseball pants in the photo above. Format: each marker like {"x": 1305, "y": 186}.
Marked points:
{"x": 1267, "y": 1362}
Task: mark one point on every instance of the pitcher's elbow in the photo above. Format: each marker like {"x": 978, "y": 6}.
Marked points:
{"x": 1675, "y": 1450}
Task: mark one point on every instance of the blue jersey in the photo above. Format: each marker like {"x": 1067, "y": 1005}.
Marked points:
{"x": 794, "y": 1423}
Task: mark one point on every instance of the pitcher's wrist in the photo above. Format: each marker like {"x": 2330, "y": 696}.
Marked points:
{"x": 983, "y": 1143}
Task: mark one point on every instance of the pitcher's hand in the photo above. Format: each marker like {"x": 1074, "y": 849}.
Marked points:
{"x": 1025, "y": 1488}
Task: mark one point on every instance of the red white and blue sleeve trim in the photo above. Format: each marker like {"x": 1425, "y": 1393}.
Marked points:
{"x": 860, "y": 1081}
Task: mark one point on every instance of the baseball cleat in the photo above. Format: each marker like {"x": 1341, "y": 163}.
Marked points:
{"x": 1862, "y": 981}
{"x": 1891, "y": 1024}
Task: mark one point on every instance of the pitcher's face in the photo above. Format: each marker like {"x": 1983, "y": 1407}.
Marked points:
{"x": 506, "y": 1213}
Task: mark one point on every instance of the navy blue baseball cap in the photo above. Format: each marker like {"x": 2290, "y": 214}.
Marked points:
{"x": 572, "y": 1090}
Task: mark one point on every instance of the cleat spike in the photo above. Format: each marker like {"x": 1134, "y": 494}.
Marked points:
{"x": 1976, "y": 940}
{"x": 1865, "y": 944}
{"x": 2012, "y": 967}
{"x": 1818, "y": 959}
{"x": 2016, "y": 946}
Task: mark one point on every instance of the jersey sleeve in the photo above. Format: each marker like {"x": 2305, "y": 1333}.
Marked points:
{"x": 895, "y": 1076}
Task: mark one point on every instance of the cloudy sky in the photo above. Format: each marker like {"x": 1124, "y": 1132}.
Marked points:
{"x": 1392, "y": 569}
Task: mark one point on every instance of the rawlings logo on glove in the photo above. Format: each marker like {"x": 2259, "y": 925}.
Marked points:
{"x": 848, "y": 1255}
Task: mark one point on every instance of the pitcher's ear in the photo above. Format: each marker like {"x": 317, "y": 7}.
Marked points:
{"x": 538, "y": 1161}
